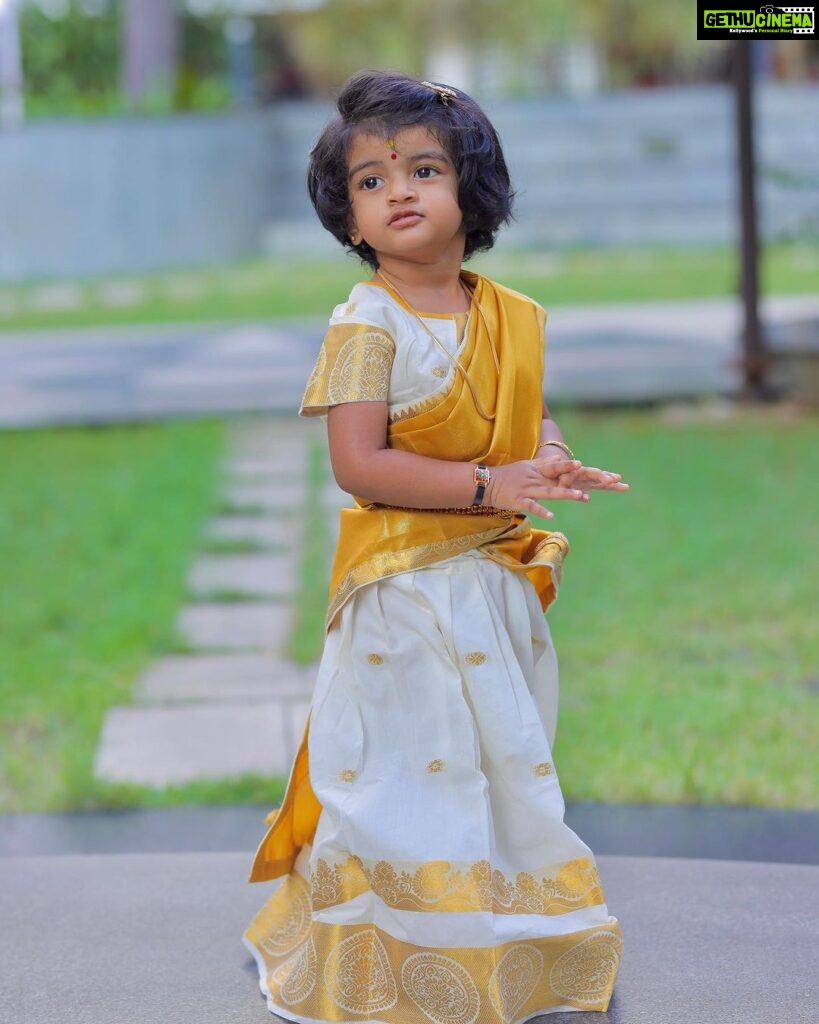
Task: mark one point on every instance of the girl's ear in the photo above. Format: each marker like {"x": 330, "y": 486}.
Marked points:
{"x": 352, "y": 230}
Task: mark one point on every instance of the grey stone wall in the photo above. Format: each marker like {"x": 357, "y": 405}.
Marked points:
{"x": 89, "y": 197}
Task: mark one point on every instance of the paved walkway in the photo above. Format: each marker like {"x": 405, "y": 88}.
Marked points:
{"x": 235, "y": 704}
{"x": 602, "y": 353}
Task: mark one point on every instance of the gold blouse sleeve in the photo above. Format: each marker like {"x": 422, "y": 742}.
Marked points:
{"x": 353, "y": 365}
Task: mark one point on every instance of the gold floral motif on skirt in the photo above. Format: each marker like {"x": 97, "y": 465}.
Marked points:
{"x": 441, "y": 988}
{"x": 437, "y": 886}
{"x": 578, "y": 973}
{"x": 284, "y": 921}
{"x": 514, "y": 980}
{"x": 358, "y": 976}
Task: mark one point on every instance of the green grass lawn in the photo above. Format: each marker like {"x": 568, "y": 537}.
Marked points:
{"x": 97, "y": 529}
{"x": 314, "y": 576}
{"x": 686, "y": 624}
{"x": 262, "y": 289}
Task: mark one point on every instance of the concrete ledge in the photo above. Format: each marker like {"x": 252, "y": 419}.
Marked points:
{"x": 155, "y": 939}
{"x": 760, "y": 834}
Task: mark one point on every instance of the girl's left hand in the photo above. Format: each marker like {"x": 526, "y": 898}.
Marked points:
{"x": 586, "y": 478}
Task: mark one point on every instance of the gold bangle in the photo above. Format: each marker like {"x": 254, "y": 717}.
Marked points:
{"x": 559, "y": 444}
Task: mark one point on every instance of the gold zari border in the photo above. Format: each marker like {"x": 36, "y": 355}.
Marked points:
{"x": 438, "y": 886}
{"x": 390, "y": 563}
{"x": 327, "y": 972}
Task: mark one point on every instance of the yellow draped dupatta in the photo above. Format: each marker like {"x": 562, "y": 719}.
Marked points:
{"x": 377, "y": 541}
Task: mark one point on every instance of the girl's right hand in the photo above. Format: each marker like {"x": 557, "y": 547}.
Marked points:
{"x": 521, "y": 486}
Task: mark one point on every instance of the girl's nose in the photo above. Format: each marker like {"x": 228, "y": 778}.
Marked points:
{"x": 401, "y": 188}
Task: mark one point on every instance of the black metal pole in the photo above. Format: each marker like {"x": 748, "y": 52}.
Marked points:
{"x": 754, "y": 361}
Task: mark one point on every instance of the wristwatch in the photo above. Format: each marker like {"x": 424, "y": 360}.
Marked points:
{"x": 481, "y": 476}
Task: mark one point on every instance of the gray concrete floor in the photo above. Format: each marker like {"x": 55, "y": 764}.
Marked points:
{"x": 155, "y": 939}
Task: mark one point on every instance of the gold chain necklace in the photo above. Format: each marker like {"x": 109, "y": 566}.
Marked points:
{"x": 453, "y": 359}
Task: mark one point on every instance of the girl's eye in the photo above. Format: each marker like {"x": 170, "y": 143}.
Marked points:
{"x": 427, "y": 172}
{"x": 369, "y": 183}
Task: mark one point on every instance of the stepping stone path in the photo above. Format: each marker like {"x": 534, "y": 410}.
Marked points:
{"x": 235, "y": 704}
{"x": 237, "y": 626}
{"x": 256, "y": 529}
{"x": 252, "y": 574}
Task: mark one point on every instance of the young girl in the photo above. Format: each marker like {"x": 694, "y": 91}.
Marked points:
{"x": 427, "y": 873}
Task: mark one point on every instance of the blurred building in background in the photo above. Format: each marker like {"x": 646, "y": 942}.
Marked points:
{"x": 148, "y": 133}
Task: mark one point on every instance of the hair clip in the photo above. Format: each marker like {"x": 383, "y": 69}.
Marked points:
{"x": 445, "y": 94}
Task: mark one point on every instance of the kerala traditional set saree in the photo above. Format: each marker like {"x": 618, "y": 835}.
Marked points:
{"x": 422, "y": 869}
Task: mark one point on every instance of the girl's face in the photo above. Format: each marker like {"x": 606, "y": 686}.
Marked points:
{"x": 404, "y": 195}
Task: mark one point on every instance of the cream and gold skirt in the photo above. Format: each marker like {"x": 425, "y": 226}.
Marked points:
{"x": 442, "y": 884}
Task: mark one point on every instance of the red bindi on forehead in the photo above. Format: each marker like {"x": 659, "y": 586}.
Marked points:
{"x": 393, "y": 156}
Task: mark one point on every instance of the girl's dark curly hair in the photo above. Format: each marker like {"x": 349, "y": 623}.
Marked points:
{"x": 384, "y": 102}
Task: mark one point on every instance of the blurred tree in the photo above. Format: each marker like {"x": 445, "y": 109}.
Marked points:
{"x": 496, "y": 48}
{"x": 70, "y": 60}
{"x": 202, "y": 79}
{"x": 792, "y": 58}
{"x": 280, "y": 74}
{"x": 631, "y": 39}
{"x": 11, "y": 69}
{"x": 73, "y": 64}
{"x": 648, "y": 43}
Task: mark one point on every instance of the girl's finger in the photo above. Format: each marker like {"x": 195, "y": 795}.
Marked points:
{"x": 593, "y": 473}
{"x": 533, "y": 508}
{"x": 598, "y": 482}
{"x": 556, "y": 467}
{"x": 606, "y": 485}
{"x": 560, "y": 494}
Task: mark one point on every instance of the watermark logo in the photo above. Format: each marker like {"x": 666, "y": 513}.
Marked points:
{"x": 766, "y": 21}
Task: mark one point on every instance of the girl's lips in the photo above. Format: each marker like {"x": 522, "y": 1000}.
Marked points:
{"x": 404, "y": 220}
